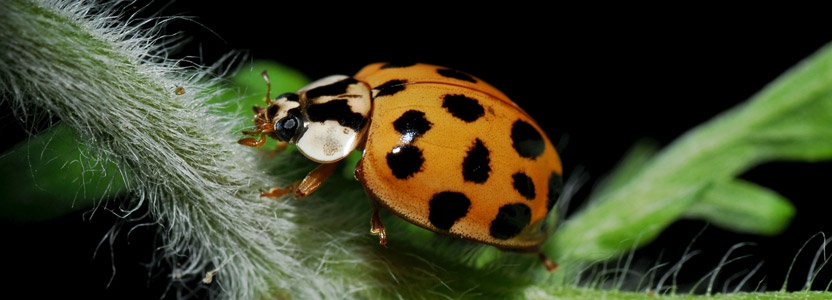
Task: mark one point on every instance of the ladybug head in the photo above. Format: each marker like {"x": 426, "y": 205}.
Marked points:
{"x": 326, "y": 119}
{"x": 281, "y": 119}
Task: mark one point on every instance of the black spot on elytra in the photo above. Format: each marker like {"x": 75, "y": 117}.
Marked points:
{"x": 390, "y": 88}
{"x": 555, "y": 188}
{"x": 338, "y": 110}
{"x": 524, "y": 185}
{"x": 332, "y": 89}
{"x": 446, "y": 208}
{"x": 412, "y": 124}
{"x": 405, "y": 161}
{"x": 463, "y": 108}
{"x": 393, "y": 65}
{"x": 510, "y": 221}
{"x": 526, "y": 140}
{"x": 451, "y": 73}
{"x": 476, "y": 165}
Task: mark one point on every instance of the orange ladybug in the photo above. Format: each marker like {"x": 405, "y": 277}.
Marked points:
{"x": 441, "y": 149}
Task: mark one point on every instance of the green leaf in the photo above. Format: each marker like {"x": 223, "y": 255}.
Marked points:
{"x": 695, "y": 175}
{"x": 52, "y": 174}
{"x": 743, "y": 207}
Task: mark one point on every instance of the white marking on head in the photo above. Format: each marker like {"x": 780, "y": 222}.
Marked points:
{"x": 285, "y": 106}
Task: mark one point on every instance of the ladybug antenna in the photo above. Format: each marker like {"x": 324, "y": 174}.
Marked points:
{"x": 268, "y": 86}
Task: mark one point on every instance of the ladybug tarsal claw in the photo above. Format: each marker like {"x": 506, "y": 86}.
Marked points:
{"x": 377, "y": 228}
{"x": 550, "y": 265}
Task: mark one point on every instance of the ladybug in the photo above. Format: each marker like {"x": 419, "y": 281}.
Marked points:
{"x": 441, "y": 149}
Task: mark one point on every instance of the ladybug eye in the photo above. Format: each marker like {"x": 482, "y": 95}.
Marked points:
{"x": 289, "y": 124}
{"x": 287, "y": 128}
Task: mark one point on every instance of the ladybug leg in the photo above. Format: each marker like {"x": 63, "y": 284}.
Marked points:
{"x": 314, "y": 179}
{"x": 252, "y": 142}
{"x": 259, "y": 142}
{"x": 279, "y": 192}
{"x": 304, "y": 187}
{"x": 376, "y": 227}
{"x": 550, "y": 265}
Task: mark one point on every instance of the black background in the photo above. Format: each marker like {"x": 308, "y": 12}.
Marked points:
{"x": 596, "y": 79}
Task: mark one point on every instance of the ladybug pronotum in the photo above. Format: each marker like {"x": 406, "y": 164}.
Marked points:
{"x": 441, "y": 149}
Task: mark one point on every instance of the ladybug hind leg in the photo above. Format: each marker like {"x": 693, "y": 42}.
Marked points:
{"x": 550, "y": 265}
{"x": 376, "y": 227}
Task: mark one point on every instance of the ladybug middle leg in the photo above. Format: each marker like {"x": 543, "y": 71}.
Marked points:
{"x": 307, "y": 185}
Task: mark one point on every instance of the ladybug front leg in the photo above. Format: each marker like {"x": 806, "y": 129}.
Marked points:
{"x": 303, "y": 188}
{"x": 252, "y": 142}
